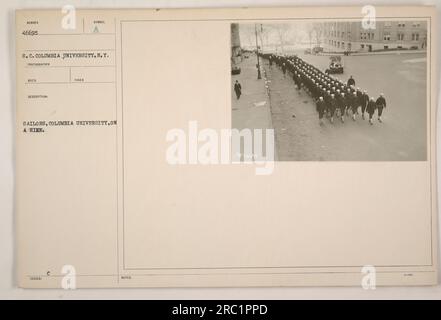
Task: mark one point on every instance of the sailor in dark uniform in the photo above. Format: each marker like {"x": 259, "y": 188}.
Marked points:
{"x": 327, "y": 99}
{"x": 332, "y": 107}
{"x": 381, "y": 104}
{"x": 341, "y": 102}
{"x": 364, "y": 102}
{"x": 354, "y": 105}
{"x": 359, "y": 98}
{"x": 351, "y": 81}
{"x": 370, "y": 109}
{"x": 321, "y": 107}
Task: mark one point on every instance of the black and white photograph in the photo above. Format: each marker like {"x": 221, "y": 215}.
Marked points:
{"x": 334, "y": 90}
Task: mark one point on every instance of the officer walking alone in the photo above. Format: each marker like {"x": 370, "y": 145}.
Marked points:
{"x": 237, "y": 89}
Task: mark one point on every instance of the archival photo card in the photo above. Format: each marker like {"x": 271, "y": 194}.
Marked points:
{"x": 245, "y": 147}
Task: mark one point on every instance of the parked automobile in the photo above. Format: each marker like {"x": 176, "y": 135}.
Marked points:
{"x": 335, "y": 65}
{"x": 235, "y": 70}
{"x": 317, "y": 50}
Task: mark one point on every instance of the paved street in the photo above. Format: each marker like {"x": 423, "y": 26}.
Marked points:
{"x": 402, "y": 135}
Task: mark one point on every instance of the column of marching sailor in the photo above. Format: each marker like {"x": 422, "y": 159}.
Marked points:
{"x": 333, "y": 97}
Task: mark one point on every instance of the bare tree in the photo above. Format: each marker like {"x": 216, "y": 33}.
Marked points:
{"x": 319, "y": 29}
{"x": 247, "y": 34}
{"x": 310, "y": 32}
{"x": 282, "y": 30}
{"x": 315, "y": 33}
{"x": 264, "y": 34}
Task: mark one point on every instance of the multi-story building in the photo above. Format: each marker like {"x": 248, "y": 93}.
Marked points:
{"x": 351, "y": 36}
{"x": 236, "y": 51}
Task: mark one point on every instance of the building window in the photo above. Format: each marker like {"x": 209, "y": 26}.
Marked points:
{"x": 415, "y": 36}
{"x": 386, "y": 37}
{"x": 388, "y": 24}
{"x": 401, "y": 36}
{"x": 416, "y": 24}
{"x": 401, "y": 24}
{"x": 365, "y": 36}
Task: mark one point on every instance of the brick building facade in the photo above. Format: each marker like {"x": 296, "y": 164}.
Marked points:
{"x": 351, "y": 36}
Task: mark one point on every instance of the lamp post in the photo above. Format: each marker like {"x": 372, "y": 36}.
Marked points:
{"x": 259, "y": 76}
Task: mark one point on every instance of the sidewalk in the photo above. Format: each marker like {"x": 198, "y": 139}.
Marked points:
{"x": 252, "y": 110}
